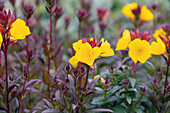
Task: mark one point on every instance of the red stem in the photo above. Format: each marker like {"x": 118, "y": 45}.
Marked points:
{"x": 6, "y": 68}
{"x": 79, "y": 30}
{"x": 27, "y": 41}
{"x": 166, "y": 79}
{"x": 80, "y": 78}
{"x": 55, "y": 36}
{"x": 86, "y": 77}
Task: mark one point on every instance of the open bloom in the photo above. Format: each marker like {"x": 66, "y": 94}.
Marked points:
{"x": 19, "y": 30}
{"x": 162, "y": 43}
{"x": 134, "y": 11}
{"x": 139, "y": 50}
{"x": 139, "y": 47}
{"x": 87, "y": 52}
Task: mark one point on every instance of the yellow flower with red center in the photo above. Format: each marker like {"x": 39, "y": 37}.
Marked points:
{"x": 19, "y": 30}
{"x": 88, "y": 52}
{"x": 134, "y": 11}
{"x": 139, "y": 47}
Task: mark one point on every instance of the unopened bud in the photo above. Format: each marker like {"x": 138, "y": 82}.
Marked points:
{"x": 125, "y": 82}
{"x": 67, "y": 69}
{"x": 107, "y": 81}
{"x": 25, "y": 73}
{"x": 142, "y": 89}
{"x": 30, "y": 53}
{"x": 76, "y": 73}
{"x": 55, "y": 78}
{"x": 83, "y": 70}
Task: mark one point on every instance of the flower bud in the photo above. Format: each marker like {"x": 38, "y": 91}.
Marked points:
{"x": 107, "y": 81}
{"x": 25, "y": 73}
{"x": 83, "y": 14}
{"x": 103, "y": 26}
{"x": 53, "y": 96}
{"x": 63, "y": 88}
{"x": 55, "y": 78}
{"x": 58, "y": 12}
{"x": 83, "y": 70}
{"x": 67, "y": 21}
{"x": 27, "y": 10}
{"x": 125, "y": 82}
{"x": 67, "y": 69}
{"x": 102, "y": 14}
{"x": 142, "y": 89}
{"x": 30, "y": 53}
{"x": 155, "y": 6}
{"x": 76, "y": 73}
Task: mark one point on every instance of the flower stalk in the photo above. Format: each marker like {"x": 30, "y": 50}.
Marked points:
{"x": 87, "y": 75}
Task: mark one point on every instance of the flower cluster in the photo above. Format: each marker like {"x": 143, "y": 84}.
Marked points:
{"x": 16, "y": 30}
{"x": 134, "y": 12}
{"x": 162, "y": 37}
{"x": 87, "y": 52}
{"x": 139, "y": 47}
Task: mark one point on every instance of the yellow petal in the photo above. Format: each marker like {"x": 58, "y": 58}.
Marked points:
{"x": 139, "y": 50}
{"x": 1, "y": 40}
{"x": 127, "y": 10}
{"x": 96, "y": 76}
{"x": 106, "y": 51}
{"x": 123, "y": 42}
{"x": 86, "y": 54}
{"x": 159, "y": 33}
{"x": 158, "y": 48}
{"x": 146, "y": 14}
{"x": 102, "y": 80}
{"x": 19, "y": 30}
{"x": 73, "y": 61}
{"x": 76, "y": 45}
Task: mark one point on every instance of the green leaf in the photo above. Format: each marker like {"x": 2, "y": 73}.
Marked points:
{"x": 128, "y": 98}
{"x": 132, "y": 81}
{"x": 119, "y": 109}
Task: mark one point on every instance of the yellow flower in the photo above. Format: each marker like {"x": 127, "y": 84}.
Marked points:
{"x": 19, "y": 30}
{"x": 146, "y": 14}
{"x": 87, "y": 54}
{"x": 76, "y": 45}
{"x": 106, "y": 51}
{"x": 73, "y": 61}
{"x": 1, "y": 40}
{"x": 159, "y": 33}
{"x": 124, "y": 42}
{"x": 139, "y": 50}
{"x": 127, "y": 10}
{"x": 158, "y": 48}
{"x": 101, "y": 78}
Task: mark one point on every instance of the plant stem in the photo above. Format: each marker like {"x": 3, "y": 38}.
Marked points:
{"x": 80, "y": 78}
{"x": 75, "y": 83}
{"x": 49, "y": 63}
{"x": 79, "y": 30}
{"x": 27, "y": 41}
{"x": 0, "y": 64}
{"x": 55, "y": 34}
{"x": 166, "y": 79}
{"x": 105, "y": 95}
{"x": 136, "y": 103}
{"x": 19, "y": 106}
{"x": 65, "y": 104}
{"x": 87, "y": 77}
{"x": 6, "y": 68}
